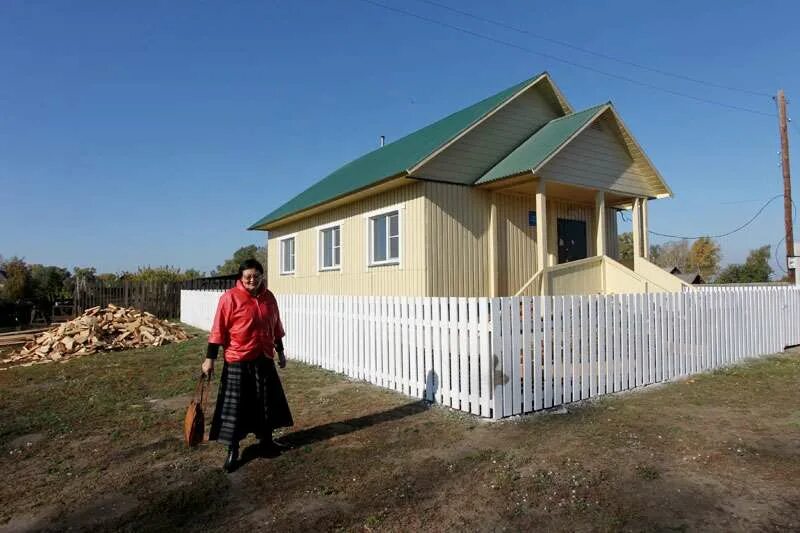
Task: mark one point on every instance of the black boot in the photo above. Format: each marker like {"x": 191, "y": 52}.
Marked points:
{"x": 231, "y": 459}
{"x": 270, "y": 448}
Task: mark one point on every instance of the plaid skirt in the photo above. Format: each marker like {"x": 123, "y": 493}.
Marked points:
{"x": 250, "y": 400}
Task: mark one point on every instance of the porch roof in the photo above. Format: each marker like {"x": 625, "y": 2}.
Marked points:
{"x": 538, "y": 148}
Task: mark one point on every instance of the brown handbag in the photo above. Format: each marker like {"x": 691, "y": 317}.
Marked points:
{"x": 194, "y": 422}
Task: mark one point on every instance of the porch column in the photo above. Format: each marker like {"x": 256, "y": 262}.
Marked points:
{"x": 541, "y": 226}
{"x": 645, "y": 232}
{"x": 637, "y": 227}
{"x": 600, "y": 222}
{"x": 493, "y": 271}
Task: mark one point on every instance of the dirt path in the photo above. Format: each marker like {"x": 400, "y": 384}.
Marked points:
{"x": 95, "y": 444}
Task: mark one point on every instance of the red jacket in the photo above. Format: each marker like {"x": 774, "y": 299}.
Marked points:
{"x": 246, "y": 326}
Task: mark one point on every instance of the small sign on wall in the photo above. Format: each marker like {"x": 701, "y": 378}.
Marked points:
{"x": 531, "y": 218}
{"x": 793, "y": 261}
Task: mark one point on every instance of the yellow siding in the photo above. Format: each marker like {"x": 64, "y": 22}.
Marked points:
{"x": 457, "y": 229}
{"x": 480, "y": 149}
{"x": 457, "y": 238}
{"x": 597, "y": 157}
{"x": 516, "y": 242}
{"x": 659, "y": 280}
{"x": 621, "y": 280}
{"x": 355, "y": 277}
{"x": 444, "y": 246}
{"x": 577, "y": 277}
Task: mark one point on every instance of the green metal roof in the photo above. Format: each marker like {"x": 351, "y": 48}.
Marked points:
{"x": 539, "y": 146}
{"x": 392, "y": 159}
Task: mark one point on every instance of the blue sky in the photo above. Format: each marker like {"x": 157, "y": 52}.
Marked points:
{"x": 155, "y": 132}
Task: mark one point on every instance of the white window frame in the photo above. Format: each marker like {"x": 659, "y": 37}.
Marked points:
{"x": 282, "y": 267}
{"x": 320, "y": 244}
{"x": 368, "y": 218}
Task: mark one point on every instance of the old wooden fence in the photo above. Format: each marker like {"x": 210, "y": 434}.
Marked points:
{"x": 498, "y": 357}
{"x": 160, "y": 298}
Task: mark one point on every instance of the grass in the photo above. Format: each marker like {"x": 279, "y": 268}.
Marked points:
{"x": 95, "y": 444}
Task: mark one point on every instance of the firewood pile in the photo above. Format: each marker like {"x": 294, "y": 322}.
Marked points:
{"x": 97, "y": 330}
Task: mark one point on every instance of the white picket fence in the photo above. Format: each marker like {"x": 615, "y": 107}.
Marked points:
{"x": 498, "y": 357}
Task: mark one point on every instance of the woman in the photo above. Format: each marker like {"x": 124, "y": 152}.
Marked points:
{"x": 250, "y": 399}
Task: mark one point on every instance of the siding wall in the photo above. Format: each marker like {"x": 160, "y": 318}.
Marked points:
{"x": 457, "y": 238}
{"x": 475, "y": 153}
{"x": 516, "y": 242}
{"x": 444, "y": 243}
{"x": 355, "y": 277}
{"x": 598, "y": 158}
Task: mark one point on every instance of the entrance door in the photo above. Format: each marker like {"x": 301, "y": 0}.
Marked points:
{"x": 571, "y": 240}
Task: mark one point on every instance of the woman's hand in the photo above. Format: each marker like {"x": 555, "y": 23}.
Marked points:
{"x": 208, "y": 367}
{"x": 281, "y": 360}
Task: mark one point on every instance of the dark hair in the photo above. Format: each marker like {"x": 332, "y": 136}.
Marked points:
{"x": 249, "y": 264}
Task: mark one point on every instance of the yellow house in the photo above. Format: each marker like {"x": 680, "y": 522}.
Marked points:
{"x": 516, "y": 194}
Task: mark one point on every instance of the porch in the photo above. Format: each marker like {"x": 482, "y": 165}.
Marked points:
{"x": 573, "y": 237}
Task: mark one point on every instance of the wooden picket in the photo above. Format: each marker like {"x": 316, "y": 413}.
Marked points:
{"x": 498, "y": 357}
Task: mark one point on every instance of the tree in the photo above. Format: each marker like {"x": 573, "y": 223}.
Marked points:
{"x": 81, "y": 277}
{"x": 162, "y": 274}
{"x": 18, "y": 285}
{"x": 84, "y": 274}
{"x": 755, "y": 269}
{"x": 231, "y": 266}
{"x": 704, "y": 256}
{"x": 192, "y": 273}
{"x": 625, "y": 245}
{"x": 674, "y": 254}
{"x": 655, "y": 253}
{"x": 49, "y": 283}
{"x": 107, "y": 277}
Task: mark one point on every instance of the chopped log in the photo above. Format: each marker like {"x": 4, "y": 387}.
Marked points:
{"x": 98, "y": 329}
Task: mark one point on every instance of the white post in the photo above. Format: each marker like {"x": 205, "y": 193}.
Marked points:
{"x": 493, "y": 271}
{"x": 541, "y": 232}
{"x": 600, "y": 222}
{"x": 637, "y": 227}
{"x": 645, "y": 233}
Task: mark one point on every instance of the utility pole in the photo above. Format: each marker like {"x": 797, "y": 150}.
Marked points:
{"x": 787, "y": 180}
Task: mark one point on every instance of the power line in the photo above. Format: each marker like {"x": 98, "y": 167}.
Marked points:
{"x": 566, "y": 61}
{"x": 758, "y": 213}
{"x": 775, "y": 254}
{"x": 592, "y": 52}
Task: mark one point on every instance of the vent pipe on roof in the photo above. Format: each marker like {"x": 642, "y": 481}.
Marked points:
{"x": 383, "y": 140}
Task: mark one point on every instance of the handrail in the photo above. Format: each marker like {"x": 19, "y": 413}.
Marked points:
{"x": 538, "y": 274}
{"x": 577, "y": 263}
{"x": 640, "y": 263}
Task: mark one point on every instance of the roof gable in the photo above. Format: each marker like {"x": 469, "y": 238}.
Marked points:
{"x": 540, "y": 146}
{"x": 570, "y": 134}
{"x": 396, "y": 158}
{"x": 466, "y": 159}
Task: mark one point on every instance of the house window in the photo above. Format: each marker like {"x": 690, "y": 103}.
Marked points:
{"x": 384, "y": 230}
{"x": 287, "y": 255}
{"x": 330, "y": 248}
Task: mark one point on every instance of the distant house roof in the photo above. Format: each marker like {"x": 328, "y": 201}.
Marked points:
{"x": 692, "y": 278}
{"x": 400, "y": 158}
